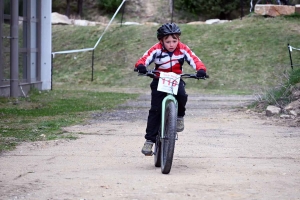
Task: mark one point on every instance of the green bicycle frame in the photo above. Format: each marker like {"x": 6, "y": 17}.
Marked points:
{"x": 165, "y": 101}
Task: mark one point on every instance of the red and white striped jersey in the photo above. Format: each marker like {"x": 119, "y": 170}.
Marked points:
{"x": 170, "y": 62}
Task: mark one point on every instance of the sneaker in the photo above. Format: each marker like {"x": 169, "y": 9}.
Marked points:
{"x": 147, "y": 148}
{"x": 180, "y": 124}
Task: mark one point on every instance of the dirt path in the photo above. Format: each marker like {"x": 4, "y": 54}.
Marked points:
{"x": 222, "y": 154}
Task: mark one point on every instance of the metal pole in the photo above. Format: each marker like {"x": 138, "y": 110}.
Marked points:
{"x": 14, "y": 48}
{"x": 123, "y": 12}
{"x": 93, "y": 65}
{"x": 172, "y": 10}
{"x": 52, "y": 55}
{"x": 290, "y": 57}
{"x": 242, "y": 10}
{"x": 1, "y": 41}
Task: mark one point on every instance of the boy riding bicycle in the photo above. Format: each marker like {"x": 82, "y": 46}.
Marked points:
{"x": 168, "y": 55}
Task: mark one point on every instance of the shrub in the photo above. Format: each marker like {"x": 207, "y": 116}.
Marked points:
{"x": 109, "y": 5}
{"x": 281, "y": 95}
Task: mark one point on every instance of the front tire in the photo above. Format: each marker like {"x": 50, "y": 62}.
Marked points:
{"x": 168, "y": 142}
{"x": 157, "y": 152}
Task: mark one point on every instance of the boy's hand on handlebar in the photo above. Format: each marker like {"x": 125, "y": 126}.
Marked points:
{"x": 201, "y": 73}
{"x": 142, "y": 69}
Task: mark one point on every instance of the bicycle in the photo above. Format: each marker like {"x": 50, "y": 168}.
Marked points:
{"x": 167, "y": 134}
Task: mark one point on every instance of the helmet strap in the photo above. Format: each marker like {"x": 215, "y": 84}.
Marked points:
{"x": 162, "y": 43}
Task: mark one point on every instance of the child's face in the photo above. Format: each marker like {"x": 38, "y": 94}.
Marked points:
{"x": 170, "y": 42}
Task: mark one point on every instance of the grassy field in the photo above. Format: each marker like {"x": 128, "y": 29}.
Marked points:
{"x": 242, "y": 57}
{"x": 41, "y": 115}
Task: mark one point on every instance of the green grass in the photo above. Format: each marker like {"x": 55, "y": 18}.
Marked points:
{"x": 42, "y": 115}
{"x": 281, "y": 95}
{"x": 242, "y": 56}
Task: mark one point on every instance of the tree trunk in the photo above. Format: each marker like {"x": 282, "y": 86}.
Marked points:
{"x": 68, "y": 8}
{"x": 79, "y": 8}
{"x": 171, "y": 6}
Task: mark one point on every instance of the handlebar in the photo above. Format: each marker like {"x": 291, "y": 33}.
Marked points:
{"x": 152, "y": 74}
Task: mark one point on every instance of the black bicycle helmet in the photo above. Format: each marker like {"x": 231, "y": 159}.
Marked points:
{"x": 167, "y": 29}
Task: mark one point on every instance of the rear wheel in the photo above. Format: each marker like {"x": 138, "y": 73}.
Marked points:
{"x": 168, "y": 142}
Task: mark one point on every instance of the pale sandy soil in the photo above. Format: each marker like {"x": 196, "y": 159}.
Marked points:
{"x": 223, "y": 153}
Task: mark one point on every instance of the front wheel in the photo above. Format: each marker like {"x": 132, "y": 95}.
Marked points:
{"x": 157, "y": 152}
{"x": 168, "y": 142}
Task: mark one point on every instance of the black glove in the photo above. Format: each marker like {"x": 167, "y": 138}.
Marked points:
{"x": 201, "y": 73}
{"x": 142, "y": 69}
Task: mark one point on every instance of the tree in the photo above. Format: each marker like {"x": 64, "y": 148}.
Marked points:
{"x": 210, "y": 8}
{"x": 68, "y": 8}
{"x": 79, "y": 8}
{"x": 109, "y": 6}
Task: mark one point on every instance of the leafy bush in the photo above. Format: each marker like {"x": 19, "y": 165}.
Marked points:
{"x": 109, "y": 5}
{"x": 210, "y": 8}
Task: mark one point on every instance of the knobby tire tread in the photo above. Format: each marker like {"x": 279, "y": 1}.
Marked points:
{"x": 168, "y": 143}
{"x": 157, "y": 152}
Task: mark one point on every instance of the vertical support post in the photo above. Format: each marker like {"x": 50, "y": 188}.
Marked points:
{"x": 93, "y": 57}
{"x": 30, "y": 41}
{"x": 14, "y": 48}
{"x": 290, "y": 57}
{"x": 26, "y": 41}
{"x": 52, "y": 56}
{"x": 45, "y": 43}
{"x": 1, "y": 41}
{"x": 172, "y": 1}
{"x": 38, "y": 40}
{"x": 123, "y": 11}
{"x": 242, "y": 9}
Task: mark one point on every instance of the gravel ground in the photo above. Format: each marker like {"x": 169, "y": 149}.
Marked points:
{"x": 225, "y": 152}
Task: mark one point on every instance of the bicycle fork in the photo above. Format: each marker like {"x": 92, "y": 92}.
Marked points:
{"x": 165, "y": 102}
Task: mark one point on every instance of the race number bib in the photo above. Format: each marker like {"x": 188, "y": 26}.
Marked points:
{"x": 168, "y": 82}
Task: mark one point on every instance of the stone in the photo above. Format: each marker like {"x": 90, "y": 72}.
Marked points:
{"x": 224, "y": 21}
{"x": 212, "y": 21}
{"x": 272, "y": 110}
{"x": 295, "y": 95}
{"x": 285, "y": 116}
{"x": 294, "y": 113}
{"x": 131, "y": 23}
{"x": 273, "y": 10}
{"x": 60, "y": 19}
{"x": 196, "y": 23}
{"x": 294, "y": 105}
{"x": 80, "y": 22}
